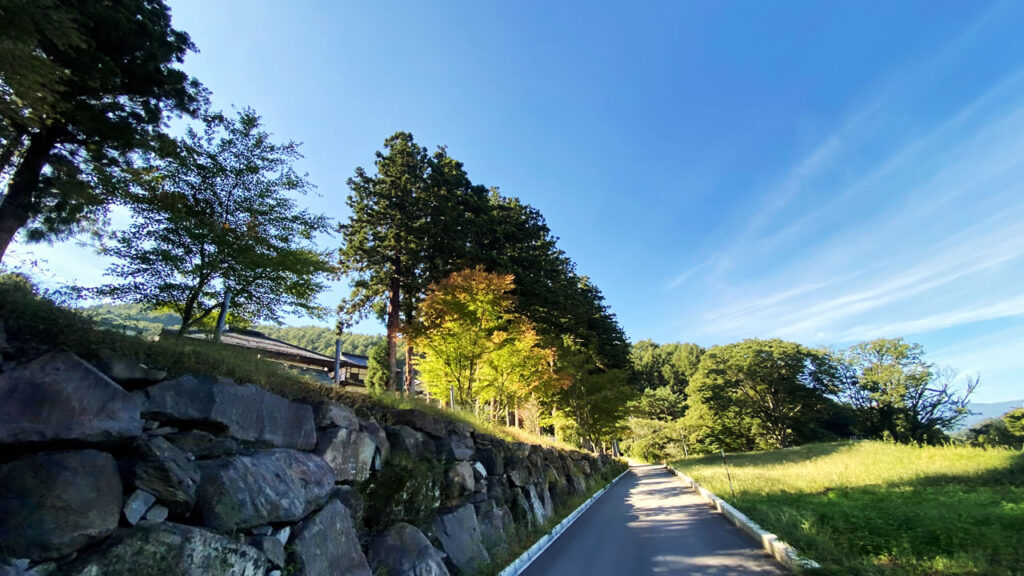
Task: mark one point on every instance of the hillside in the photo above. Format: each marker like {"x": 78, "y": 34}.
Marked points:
{"x": 134, "y": 320}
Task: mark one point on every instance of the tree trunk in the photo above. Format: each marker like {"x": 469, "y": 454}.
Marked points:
{"x": 393, "y": 325}
{"x": 409, "y": 369}
{"x": 17, "y": 208}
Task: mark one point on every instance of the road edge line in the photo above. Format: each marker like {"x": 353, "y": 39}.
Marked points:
{"x": 782, "y": 552}
{"x": 526, "y": 558}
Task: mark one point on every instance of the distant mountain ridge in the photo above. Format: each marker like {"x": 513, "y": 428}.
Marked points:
{"x": 981, "y": 411}
{"x": 134, "y": 319}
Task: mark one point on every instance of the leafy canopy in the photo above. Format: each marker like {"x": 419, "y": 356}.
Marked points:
{"x": 217, "y": 217}
{"x": 472, "y": 341}
{"x": 758, "y": 394}
{"x": 900, "y": 396}
{"x": 84, "y": 86}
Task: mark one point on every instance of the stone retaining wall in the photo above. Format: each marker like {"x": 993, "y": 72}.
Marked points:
{"x": 116, "y": 470}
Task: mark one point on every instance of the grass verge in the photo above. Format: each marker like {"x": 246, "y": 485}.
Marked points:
{"x": 875, "y": 508}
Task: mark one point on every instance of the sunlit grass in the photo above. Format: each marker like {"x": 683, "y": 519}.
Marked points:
{"x": 879, "y": 508}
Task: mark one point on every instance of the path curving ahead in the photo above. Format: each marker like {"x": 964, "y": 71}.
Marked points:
{"x": 651, "y": 523}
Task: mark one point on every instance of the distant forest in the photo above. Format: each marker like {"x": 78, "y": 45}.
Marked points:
{"x": 134, "y": 319}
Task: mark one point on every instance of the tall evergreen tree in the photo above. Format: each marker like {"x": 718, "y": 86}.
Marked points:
{"x": 380, "y": 240}
{"x": 413, "y": 223}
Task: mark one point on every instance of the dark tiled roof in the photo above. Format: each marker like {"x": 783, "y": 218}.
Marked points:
{"x": 282, "y": 350}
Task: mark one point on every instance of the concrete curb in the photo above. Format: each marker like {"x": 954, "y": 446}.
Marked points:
{"x": 526, "y": 558}
{"x": 784, "y": 553}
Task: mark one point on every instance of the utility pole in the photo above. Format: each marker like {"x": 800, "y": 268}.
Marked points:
{"x": 337, "y": 361}
{"x": 222, "y": 318}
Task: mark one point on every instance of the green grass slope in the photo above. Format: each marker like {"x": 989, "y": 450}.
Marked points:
{"x": 874, "y": 508}
{"x": 34, "y": 324}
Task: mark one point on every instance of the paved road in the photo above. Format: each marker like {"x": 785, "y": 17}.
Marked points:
{"x": 650, "y": 523}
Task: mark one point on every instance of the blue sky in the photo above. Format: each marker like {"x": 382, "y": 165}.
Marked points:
{"x": 821, "y": 172}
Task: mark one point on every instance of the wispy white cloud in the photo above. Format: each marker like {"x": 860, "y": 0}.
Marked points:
{"x": 927, "y": 242}
{"x": 1012, "y": 307}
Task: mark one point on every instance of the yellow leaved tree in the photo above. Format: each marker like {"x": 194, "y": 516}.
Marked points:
{"x": 473, "y": 343}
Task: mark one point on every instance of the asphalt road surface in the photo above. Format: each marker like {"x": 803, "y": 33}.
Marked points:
{"x": 651, "y": 523}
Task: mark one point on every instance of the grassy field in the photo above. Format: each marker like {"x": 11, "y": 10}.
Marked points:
{"x": 874, "y": 508}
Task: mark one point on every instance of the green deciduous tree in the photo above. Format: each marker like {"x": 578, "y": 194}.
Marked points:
{"x": 1006, "y": 431}
{"x": 596, "y": 401}
{"x": 516, "y": 369}
{"x": 217, "y": 217}
{"x": 1015, "y": 421}
{"x": 657, "y": 366}
{"x": 462, "y": 320}
{"x": 659, "y": 404}
{"x": 655, "y": 440}
{"x": 898, "y": 395}
{"x": 83, "y": 87}
{"x": 758, "y": 394}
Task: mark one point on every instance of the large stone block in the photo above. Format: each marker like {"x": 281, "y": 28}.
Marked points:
{"x": 55, "y": 503}
{"x": 129, "y": 373}
{"x": 493, "y": 459}
{"x": 546, "y": 501}
{"x": 460, "y": 538}
{"x": 493, "y": 521}
{"x": 576, "y": 479}
{"x": 330, "y": 414}
{"x": 242, "y": 411}
{"x": 402, "y": 550}
{"x": 536, "y": 505}
{"x": 455, "y": 446}
{"x": 411, "y": 441}
{"x": 351, "y": 499}
{"x": 326, "y": 544}
{"x": 352, "y": 454}
{"x": 517, "y": 472}
{"x": 278, "y": 485}
{"x": 163, "y": 470}
{"x": 59, "y": 397}
{"x": 421, "y": 421}
{"x": 379, "y": 438}
{"x": 459, "y": 483}
{"x": 498, "y": 490}
{"x": 202, "y": 444}
{"x": 168, "y": 549}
